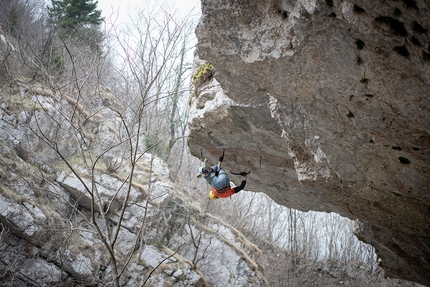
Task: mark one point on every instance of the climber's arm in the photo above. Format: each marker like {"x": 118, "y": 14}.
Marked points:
{"x": 221, "y": 158}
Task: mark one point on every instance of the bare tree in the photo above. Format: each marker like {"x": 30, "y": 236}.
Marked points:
{"x": 79, "y": 123}
{"x": 200, "y": 250}
{"x": 304, "y": 236}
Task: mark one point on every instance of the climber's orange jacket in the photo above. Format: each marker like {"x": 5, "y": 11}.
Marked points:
{"x": 223, "y": 193}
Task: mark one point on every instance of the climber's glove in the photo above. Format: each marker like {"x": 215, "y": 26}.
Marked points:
{"x": 221, "y": 158}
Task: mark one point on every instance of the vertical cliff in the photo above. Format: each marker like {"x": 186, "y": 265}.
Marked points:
{"x": 327, "y": 103}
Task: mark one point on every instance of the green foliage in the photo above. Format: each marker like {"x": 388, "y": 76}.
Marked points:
{"x": 201, "y": 70}
{"x": 402, "y": 50}
{"x": 155, "y": 145}
{"x": 79, "y": 19}
{"x": 203, "y": 74}
{"x": 364, "y": 81}
{"x": 151, "y": 142}
{"x": 397, "y": 27}
{"x": 70, "y": 14}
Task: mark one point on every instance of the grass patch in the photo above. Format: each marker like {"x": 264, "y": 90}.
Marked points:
{"x": 397, "y": 27}
{"x": 11, "y": 194}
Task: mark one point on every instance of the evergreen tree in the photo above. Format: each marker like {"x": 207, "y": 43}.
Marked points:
{"x": 79, "y": 19}
{"x": 70, "y": 15}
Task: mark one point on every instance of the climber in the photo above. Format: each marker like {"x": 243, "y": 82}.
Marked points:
{"x": 219, "y": 180}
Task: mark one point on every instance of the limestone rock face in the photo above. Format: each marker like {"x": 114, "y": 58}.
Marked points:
{"x": 48, "y": 233}
{"x": 327, "y": 103}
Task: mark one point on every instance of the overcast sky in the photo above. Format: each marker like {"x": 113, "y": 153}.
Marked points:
{"x": 123, "y": 7}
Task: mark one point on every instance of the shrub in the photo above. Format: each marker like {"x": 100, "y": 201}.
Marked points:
{"x": 364, "y": 81}
{"x": 203, "y": 74}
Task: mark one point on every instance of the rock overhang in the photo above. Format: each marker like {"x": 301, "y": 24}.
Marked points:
{"x": 322, "y": 122}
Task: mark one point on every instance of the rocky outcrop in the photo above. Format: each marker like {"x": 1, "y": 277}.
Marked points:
{"x": 326, "y": 102}
{"x": 55, "y": 217}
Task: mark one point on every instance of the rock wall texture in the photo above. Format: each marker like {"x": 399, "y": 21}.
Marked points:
{"x": 327, "y": 103}
{"x": 48, "y": 233}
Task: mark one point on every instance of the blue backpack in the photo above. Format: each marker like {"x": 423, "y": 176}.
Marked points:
{"x": 220, "y": 181}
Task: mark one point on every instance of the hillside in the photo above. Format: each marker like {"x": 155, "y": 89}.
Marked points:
{"x": 98, "y": 188}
